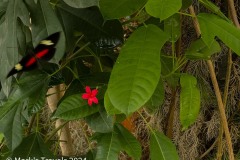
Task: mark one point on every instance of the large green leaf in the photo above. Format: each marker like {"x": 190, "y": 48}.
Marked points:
{"x": 212, "y": 25}
{"x": 115, "y": 9}
{"x": 161, "y": 147}
{"x": 16, "y": 14}
{"x": 163, "y": 8}
{"x": 128, "y": 142}
{"x": 85, "y": 20}
{"x": 189, "y": 100}
{"x": 90, "y": 22}
{"x": 108, "y": 147}
{"x": 29, "y": 85}
{"x": 82, "y": 3}
{"x": 11, "y": 126}
{"x": 32, "y": 146}
{"x": 111, "y": 110}
{"x": 100, "y": 122}
{"x": 199, "y": 50}
{"x": 45, "y": 22}
{"x": 74, "y": 107}
{"x": 137, "y": 70}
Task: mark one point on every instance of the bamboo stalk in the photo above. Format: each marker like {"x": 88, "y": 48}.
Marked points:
{"x": 64, "y": 133}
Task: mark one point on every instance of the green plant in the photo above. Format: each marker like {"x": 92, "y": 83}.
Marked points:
{"x": 127, "y": 83}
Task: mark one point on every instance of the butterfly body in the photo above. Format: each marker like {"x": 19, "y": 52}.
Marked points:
{"x": 44, "y": 51}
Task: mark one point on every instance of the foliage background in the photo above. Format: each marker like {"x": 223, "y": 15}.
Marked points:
{"x": 116, "y": 48}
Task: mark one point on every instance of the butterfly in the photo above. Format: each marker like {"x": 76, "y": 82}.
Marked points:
{"x": 45, "y": 50}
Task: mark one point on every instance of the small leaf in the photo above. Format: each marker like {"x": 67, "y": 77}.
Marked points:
{"x": 82, "y": 3}
{"x": 108, "y": 147}
{"x": 163, "y": 8}
{"x": 115, "y": 9}
{"x": 186, "y": 4}
{"x": 169, "y": 71}
{"x": 32, "y": 146}
{"x": 172, "y": 27}
{"x": 215, "y": 9}
{"x": 100, "y": 122}
{"x": 189, "y": 100}
{"x": 199, "y": 50}
{"x": 128, "y": 142}
{"x": 161, "y": 147}
{"x": 137, "y": 70}
{"x": 74, "y": 107}
{"x": 212, "y": 25}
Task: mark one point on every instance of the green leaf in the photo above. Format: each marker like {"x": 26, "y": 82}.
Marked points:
{"x": 172, "y": 27}
{"x": 169, "y": 70}
{"x": 37, "y": 100}
{"x": 82, "y": 3}
{"x": 45, "y": 22}
{"x": 29, "y": 84}
{"x": 1, "y": 136}
{"x": 16, "y": 12}
{"x": 137, "y": 70}
{"x": 108, "y": 147}
{"x": 158, "y": 97}
{"x": 100, "y": 122}
{"x": 186, "y": 4}
{"x": 32, "y": 146}
{"x": 111, "y": 110}
{"x": 85, "y": 20}
{"x": 115, "y": 9}
{"x": 215, "y": 9}
{"x": 212, "y": 25}
{"x": 161, "y": 147}
{"x": 128, "y": 142}
{"x": 199, "y": 50}
{"x": 189, "y": 100}
{"x": 163, "y": 8}
{"x": 11, "y": 126}
{"x": 74, "y": 107}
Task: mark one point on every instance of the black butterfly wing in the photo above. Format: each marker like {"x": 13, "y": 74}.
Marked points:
{"x": 48, "y": 43}
{"x": 45, "y": 50}
{"x": 28, "y": 62}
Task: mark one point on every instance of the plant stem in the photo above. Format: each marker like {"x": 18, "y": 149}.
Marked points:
{"x": 217, "y": 93}
{"x": 225, "y": 96}
{"x": 233, "y": 13}
{"x": 221, "y": 109}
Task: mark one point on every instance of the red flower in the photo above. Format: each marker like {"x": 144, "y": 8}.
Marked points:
{"x": 90, "y": 95}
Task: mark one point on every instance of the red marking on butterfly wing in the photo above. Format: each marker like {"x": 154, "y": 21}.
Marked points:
{"x": 38, "y": 55}
{"x": 30, "y": 62}
{"x": 42, "y": 53}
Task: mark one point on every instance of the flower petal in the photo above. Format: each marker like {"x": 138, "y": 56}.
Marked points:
{"x": 90, "y": 101}
{"x": 95, "y": 100}
{"x": 85, "y": 95}
{"x": 88, "y": 89}
{"x": 94, "y": 92}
